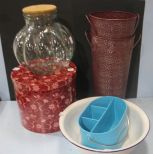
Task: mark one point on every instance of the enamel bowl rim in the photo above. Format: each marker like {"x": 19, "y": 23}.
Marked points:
{"x": 75, "y": 104}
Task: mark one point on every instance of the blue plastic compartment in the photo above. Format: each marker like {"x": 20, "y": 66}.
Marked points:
{"x": 104, "y": 123}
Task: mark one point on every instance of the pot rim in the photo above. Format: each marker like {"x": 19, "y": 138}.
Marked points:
{"x": 133, "y": 15}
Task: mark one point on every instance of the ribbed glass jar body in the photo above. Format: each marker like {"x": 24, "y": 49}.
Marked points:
{"x": 43, "y": 45}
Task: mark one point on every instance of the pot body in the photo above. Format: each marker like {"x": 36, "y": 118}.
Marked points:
{"x": 110, "y": 65}
{"x": 42, "y": 98}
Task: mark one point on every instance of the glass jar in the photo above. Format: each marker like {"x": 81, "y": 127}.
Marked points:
{"x": 43, "y": 45}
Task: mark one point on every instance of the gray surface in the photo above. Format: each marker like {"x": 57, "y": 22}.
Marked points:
{"x": 14, "y": 139}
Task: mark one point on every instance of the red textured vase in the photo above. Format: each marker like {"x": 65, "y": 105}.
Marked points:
{"x": 113, "y": 24}
{"x": 110, "y": 64}
{"x": 42, "y": 98}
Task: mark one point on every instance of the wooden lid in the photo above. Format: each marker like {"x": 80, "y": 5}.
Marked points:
{"x": 39, "y": 9}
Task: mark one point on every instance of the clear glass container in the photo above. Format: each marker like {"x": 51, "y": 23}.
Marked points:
{"x": 43, "y": 45}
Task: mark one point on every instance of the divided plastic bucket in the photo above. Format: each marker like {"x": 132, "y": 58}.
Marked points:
{"x": 104, "y": 123}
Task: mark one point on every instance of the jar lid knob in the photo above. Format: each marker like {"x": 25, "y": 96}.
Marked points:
{"x": 39, "y": 9}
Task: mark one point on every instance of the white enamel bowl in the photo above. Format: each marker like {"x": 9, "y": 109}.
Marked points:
{"x": 138, "y": 127}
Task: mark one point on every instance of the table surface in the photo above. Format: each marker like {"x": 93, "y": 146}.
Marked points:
{"x": 14, "y": 139}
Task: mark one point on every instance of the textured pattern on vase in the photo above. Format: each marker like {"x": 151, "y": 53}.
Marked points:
{"x": 113, "y": 24}
{"x": 110, "y": 64}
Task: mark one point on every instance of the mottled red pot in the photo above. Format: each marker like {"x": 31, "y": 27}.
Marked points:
{"x": 42, "y": 98}
{"x": 113, "y": 24}
{"x": 110, "y": 64}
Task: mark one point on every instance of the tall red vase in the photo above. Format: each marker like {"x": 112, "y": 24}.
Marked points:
{"x": 110, "y": 64}
{"x": 112, "y": 35}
